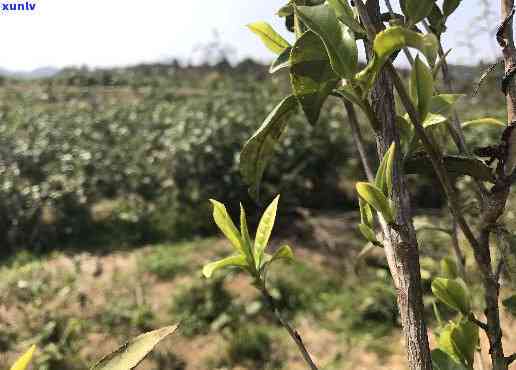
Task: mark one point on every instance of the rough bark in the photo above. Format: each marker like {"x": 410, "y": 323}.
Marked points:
{"x": 401, "y": 245}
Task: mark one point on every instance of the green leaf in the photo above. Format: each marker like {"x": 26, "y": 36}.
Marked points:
{"x": 510, "y": 304}
{"x": 282, "y": 61}
{"x": 443, "y": 103}
{"x": 416, "y": 10}
{"x": 132, "y": 353}
{"x": 283, "y": 252}
{"x": 368, "y": 233}
{"x": 391, "y": 40}
{"x": 259, "y": 148}
{"x": 449, "y": 268}
{"x": 442, "y": 361}
{"x": 264, "y": 230}
{"x": 437, "y": 21}
{"x": 455, "y": 165}
{"x": 286, "y": 10}
{"x": 376, "y": 199}
{"x": 366, "y": 213}
{"x": 337, "y": 38}
{"x": 465, "y": 340}
{"x": 244, "y": 230}
{"x": 434, "y": 120}
{"x": 236, "y": 261}
{"x": 24, "y": 360}
{"x": 272, "y": 40}
{"x": 449, "y": 6}
{"x": 453, "y": 293}
{"x": 421, "y": 87}
{"x": 311, "y": 74}
{"x": 345, "y": 15}
{"x": 226, "y": 225}
{"x": 384, "y": 174}
{"x": 483, "y": 121}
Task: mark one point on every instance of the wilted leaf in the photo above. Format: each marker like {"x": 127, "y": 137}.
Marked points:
{"x": 226, "y": 225}
{"x": 24, "y": 360}
{"x": 337, "y": 38}
{"x": 311, "y": 74}
{"x": 391, "y": 40}
{"x": 452, "y": 293}
{"x": 264, "y": 230}
{"x": 236, "y": 261}
{"x": 259, "y": 148}
{"x": 282, "y": 61}
{"x": 271, "y": 39}
{"x": 132, "y": 353}
{"x": 376, "y": 199}
{"x": 456, "y": 166}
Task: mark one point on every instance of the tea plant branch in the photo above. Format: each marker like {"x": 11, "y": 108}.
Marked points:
{"x": 477, "y": 322}
{"x": 400, "y": 242}
{"x": 291, "y": 331}
{"x": 358, "y": 139}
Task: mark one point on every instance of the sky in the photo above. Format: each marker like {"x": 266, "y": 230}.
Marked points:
{"x": 104, "y": 33}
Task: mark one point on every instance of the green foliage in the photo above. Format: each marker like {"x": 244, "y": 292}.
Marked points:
{"x": 453, "y": 293}
{"x": 416, "y": 10}
{"x": 376, "y": 199}
{"x": 311, "y": 74}
{"x": 168, "y": 261}
{"x": 338, "y": 40}
{"x": 459, "y": 340}
{"x": 258, "y": 149}
{"x": 421, "y": 87}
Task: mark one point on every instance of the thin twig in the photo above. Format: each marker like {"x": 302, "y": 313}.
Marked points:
{"x": 510, "y": 359}
{"x": 291, "y": 331}
{"x": 477, "y": 322}
{"x": 358, "y": 139}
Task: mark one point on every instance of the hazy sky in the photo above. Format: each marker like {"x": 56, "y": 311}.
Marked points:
{"x": 120, "y": 32}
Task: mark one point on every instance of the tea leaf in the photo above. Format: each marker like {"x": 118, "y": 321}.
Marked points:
{"x": 271, "y": 39}
{"x": 23, "y": 361}
{"x": 452, "y": 293}
{"x": 237, "y": 261}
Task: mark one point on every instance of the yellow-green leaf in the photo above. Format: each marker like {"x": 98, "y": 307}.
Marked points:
{"x": 282, "y": 61}
{"x": 366, "y": 213}
{"x": 384, "y": 174}
{"x": 23, "y": 361}
{"x": 226, "y": 225}
{"x": 376, "y": 199}
{"x": 421, "y": 87}
{"x": 132, "y": 353}
{"x": 264, "y": 230}
{"x": 483, "y": 121}
{"x": 283, "y": 252}
{"x": 391, "y": 40}
{"x": 237, "y": 261}
{"x": 272, "y": 40}
{"x": 453, "y": 293}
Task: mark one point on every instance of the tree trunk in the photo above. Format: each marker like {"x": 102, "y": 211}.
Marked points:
{"x": 401, "y": 245}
